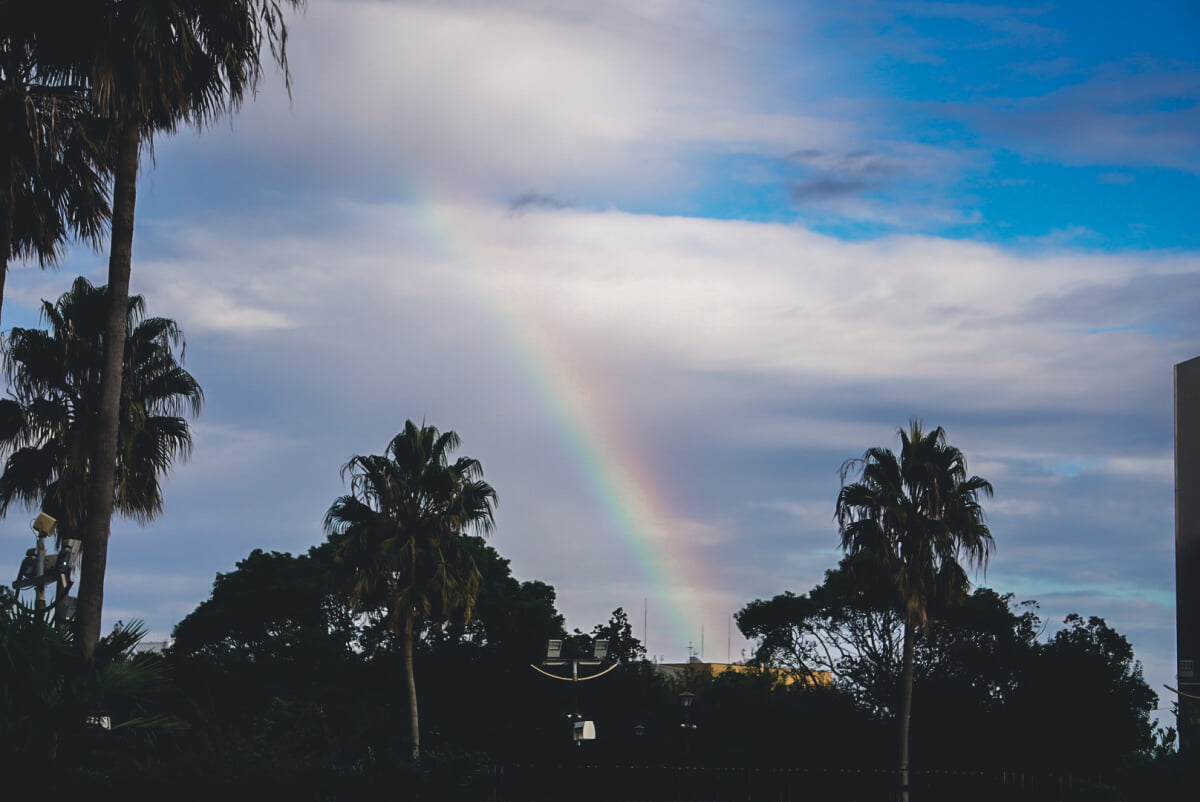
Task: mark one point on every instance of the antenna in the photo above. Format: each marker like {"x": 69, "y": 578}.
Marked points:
{"x": 645, "y": 618}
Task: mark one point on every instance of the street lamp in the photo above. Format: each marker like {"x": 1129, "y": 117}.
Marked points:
{"x": 582, "y": 730}
{"x": 33, "y": 572}
{"x": 686, "y": 698}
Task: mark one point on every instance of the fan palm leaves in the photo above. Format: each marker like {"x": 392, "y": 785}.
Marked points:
{"x": 48, "y": 427}
{"x": 918, "y": 519}
{"x": 53, "y": 180}
{"x": 400, "y": 532}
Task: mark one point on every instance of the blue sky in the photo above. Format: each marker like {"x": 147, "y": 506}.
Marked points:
{"x": 737, "y": 243}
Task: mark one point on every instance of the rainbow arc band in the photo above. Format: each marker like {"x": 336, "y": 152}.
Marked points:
{"x": 614, "y": 465}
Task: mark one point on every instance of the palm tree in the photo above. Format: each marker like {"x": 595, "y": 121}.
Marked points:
{"x": 48, "y": 428}
{"x": 149, "y": 66}
{"x": 52, "y": 173}
{"x": 401, "y": 531}
{"x": 917, "y": 519}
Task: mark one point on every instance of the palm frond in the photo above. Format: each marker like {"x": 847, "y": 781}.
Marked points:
{"x": 402, "y": 525}
{"x": 48, "y": 428}
{"x": 917, "y": 517}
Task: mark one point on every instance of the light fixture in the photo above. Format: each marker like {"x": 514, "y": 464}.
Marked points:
{"x": 44, "y": 524}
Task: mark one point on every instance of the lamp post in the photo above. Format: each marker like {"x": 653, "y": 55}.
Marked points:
{"x": 582, "y": 730}
{"x": 33, "y": 573}
{"x": 686, "y": 698}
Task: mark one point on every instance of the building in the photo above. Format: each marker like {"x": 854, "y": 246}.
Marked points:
{"x": 1187, "y": 548}
{"x": 696, "y": 666}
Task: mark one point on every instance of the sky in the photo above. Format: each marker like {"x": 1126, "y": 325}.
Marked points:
{"x": 664, "y": 267}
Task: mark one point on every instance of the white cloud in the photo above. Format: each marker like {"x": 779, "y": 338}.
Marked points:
{"x": 210, "y": 310}
{"x": 510, "y": 97}
{"x": 613, "y": 104}
{"x": 587, "y": 293}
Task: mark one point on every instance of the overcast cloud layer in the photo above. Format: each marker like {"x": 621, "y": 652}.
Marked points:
{"x": 730, "y": 246}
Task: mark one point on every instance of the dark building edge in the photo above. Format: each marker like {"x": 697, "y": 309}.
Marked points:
{"x": 1187, "y": 549}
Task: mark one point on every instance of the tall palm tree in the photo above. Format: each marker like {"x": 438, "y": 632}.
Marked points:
{"x": 150, "y": 66}
{"x": 53, "y": 180}
{"x": 401, "y": 531}
{"x": 47, "y": 429}
{"x": 918, "y": 519}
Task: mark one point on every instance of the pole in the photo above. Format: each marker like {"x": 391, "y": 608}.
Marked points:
{"x": 38, "y": 571}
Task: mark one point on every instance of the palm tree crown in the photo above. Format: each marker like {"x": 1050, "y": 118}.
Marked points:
{"x": 48, "y": 427}
{"x": 919, "y": 517}
{"x": 400, "y": 525}
{"x": 53, "y": 150}
{"x": 159, "y": 64}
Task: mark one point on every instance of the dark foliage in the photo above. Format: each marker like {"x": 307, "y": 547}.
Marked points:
{"x": 52, "y": 701}
{"x": 992, "y": 694}
{"x": 274, "y": 608}
{"x": 268, "y": 690}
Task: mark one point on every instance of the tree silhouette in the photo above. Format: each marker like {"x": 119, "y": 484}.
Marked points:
{"x": 400, "y": 532}
{"x": 47, "y": 429}
{"x": 148, "y": 66}
{"x": 915, "y": 518}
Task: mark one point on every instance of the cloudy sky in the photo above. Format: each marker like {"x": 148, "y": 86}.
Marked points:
{"x": 664, "y": 266}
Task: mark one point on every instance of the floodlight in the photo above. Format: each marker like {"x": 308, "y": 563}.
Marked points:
{"x": 44, "y": 524}
{"x": 600, "y": 649}
{"x": 553, "y": 649}
{"x": 66, "y": 560}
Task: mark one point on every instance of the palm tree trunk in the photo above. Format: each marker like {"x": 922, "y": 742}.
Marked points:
{"x": 413, "y": 722}
{"x": 910, "y": 635}
{"x": 104, "y": 457}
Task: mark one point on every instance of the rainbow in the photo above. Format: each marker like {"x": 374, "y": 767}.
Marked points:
{"x": 635, "y": 500}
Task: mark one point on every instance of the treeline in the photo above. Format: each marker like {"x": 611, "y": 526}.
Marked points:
{"x": 278, "y": 683}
